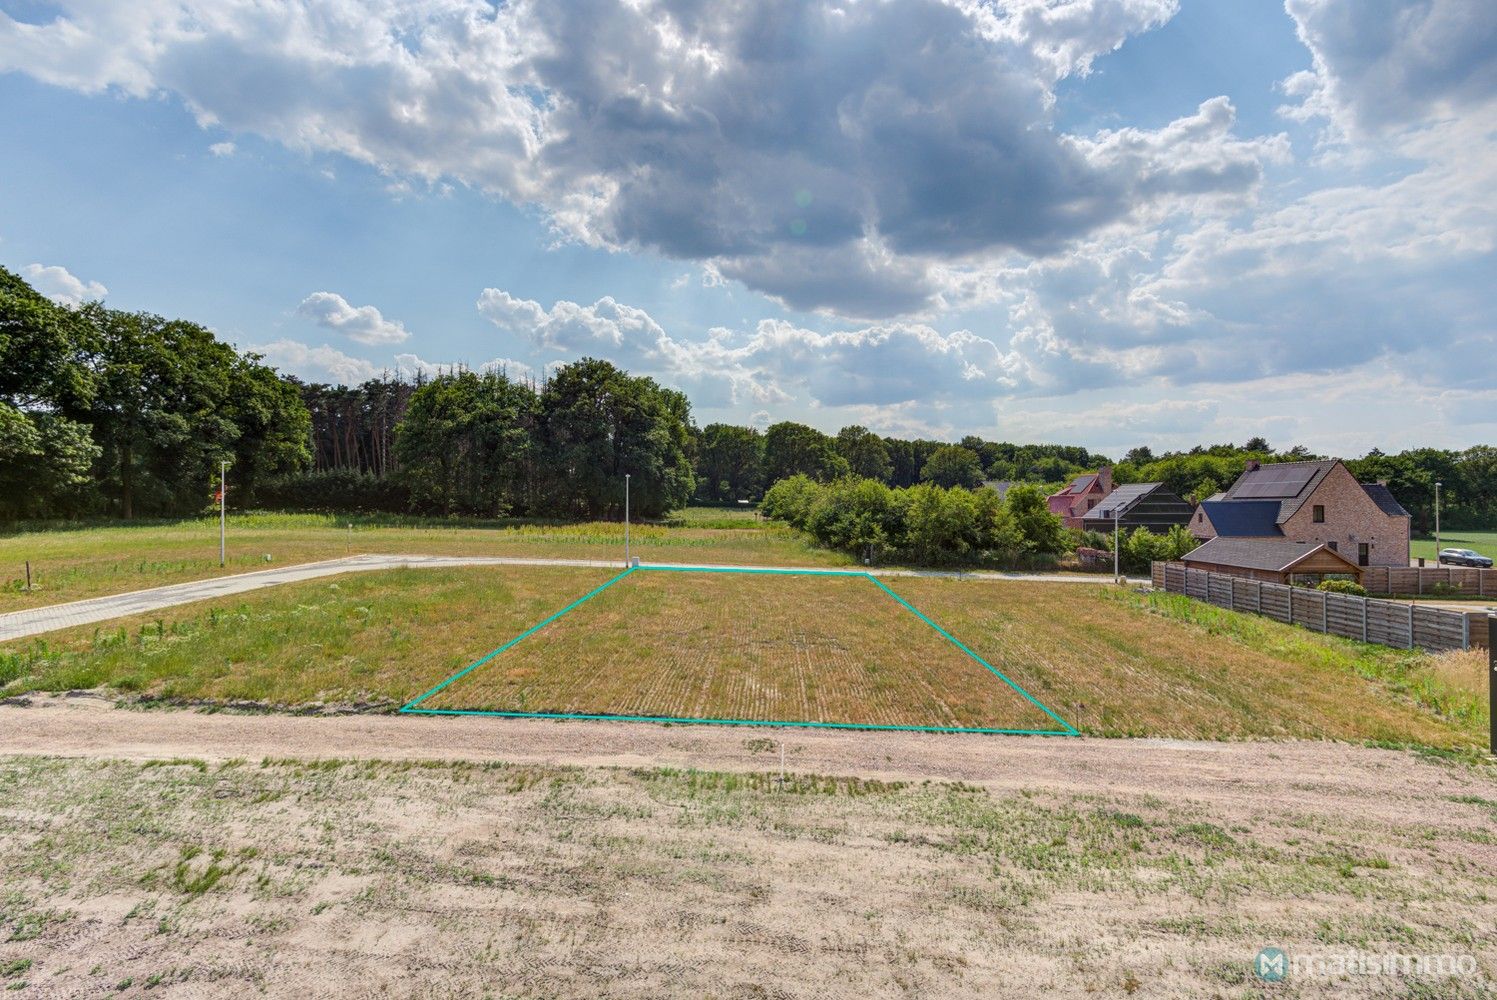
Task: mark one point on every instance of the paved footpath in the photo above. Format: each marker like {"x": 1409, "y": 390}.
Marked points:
{"x": 33, "y": 621}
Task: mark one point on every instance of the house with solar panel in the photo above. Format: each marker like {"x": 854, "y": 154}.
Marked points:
{"x": 1080, "y": 496}
{"x": 1314, "y": 504}
{"x": 1139, "y": 505}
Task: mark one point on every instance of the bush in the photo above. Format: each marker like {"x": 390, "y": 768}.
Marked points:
{"x": 925, "y": 524}
{"x": 1342, "y": 587}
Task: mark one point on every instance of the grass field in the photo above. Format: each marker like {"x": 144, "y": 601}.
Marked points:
{"x": 1484, "y": 542}
{"x": 1110, "y": 662}
{"x": 822, "y": 649}
{"x": 73, "y": 563}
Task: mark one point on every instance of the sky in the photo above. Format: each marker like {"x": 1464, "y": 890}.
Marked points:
{"x": 1099, "y": 222}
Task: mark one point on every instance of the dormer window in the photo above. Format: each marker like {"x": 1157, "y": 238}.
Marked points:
{"x": 1317, "y": 513}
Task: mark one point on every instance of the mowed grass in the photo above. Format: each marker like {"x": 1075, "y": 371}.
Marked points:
{"x": 1484, "y": 542}
{"x": 1116, "y": 662}
{"x": 764, "y": 647}
{"x": 70, "y": 564}
{"x": 372, "y": 639}
{"x": 1109, "y": 661}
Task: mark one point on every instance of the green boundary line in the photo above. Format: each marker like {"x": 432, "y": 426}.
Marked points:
{"x": 413, "y": 707}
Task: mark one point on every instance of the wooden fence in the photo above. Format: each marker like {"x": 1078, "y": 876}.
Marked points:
{"x": 1402, "y": 624}
{"x": 1424, "y": 580}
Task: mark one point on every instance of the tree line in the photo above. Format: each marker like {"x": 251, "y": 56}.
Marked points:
{"x": 106, "y": 412}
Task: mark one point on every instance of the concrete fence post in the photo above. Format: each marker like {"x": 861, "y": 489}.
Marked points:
{"x": 1325, "y": 607}
{"x": 1411, "y": 620}
{"x": 1364, "y": 619}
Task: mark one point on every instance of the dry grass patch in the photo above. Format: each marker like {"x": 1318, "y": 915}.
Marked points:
{"x": 1116, "y": 663}
{"x": 745, "y": 646}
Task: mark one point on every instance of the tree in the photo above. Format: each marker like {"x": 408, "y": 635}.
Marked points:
{"x": 599, "y": 423}
{"x": 953, "y": 465}
{"x": 1041, "y": 530}
{"x": 45, "y": 464}
{"x": 467, "y": 444}
{"x": 865, "y": 453}
{"x": 1142, "y": 455}
{"x": 791, "y": 448}
{"x": 730, "y": 463}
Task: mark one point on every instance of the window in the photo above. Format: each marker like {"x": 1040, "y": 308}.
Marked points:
{"x": 1333, "y": 546}
{"x": 1317, "y": 513}
{"x": 1363, "y": 552}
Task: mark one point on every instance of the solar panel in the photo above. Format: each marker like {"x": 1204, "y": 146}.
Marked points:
{"x": 1279, "y": 482}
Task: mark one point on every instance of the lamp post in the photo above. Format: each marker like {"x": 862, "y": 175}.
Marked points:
{"x": 223, "y": 496}
{"x": 627, "y": 561}
{"x": 1437, "y": 521}
{"x": 1117, "y": 573}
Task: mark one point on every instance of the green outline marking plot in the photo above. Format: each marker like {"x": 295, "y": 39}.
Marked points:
{"x": 413, "y": 706}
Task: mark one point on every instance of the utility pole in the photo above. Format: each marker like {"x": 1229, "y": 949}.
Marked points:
{"x": 627, "y": 561}
{"x": 223, "y": 497}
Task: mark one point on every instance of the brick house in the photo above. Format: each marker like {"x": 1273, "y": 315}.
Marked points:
{"x": 1312, "y": 502}
{"x": 1084, "y": 492}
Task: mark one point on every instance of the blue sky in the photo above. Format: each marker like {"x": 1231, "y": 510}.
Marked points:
{"x": 1107, "y": 222}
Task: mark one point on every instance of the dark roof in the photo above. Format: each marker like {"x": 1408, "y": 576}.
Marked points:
{"x": 999, "y": 486}
{"x": 1123, "y": 498}
{"x": 1291, "y": 483}
{"x": 1081, "y": 483}
{"x": 1384, "y": 499}
{"x": 1243, "y": 518}
{"x": 1273, "y": 554}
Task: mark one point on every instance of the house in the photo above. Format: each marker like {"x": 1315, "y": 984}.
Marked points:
{"x": 1273, "y": 560}
{"x": 1139, "y": 505}
{"x": 1083, "y": 493}
{"x": 1311, "y": 502}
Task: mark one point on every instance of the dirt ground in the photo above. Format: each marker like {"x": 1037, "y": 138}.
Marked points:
{"x": 172, "y": 853}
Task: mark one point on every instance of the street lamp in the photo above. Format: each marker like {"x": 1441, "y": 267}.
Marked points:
{"x": 1438, "y": 484}
{"x": 1116, "y": 572}
{"x": 627, "y": 561}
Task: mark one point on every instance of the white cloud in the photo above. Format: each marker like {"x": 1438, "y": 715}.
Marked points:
{"x": 364, "y": 324}
{"x": 880, "y": 140}
{"x": 222, "y": 149}
{"x": 318, "y": 363}
{"x": 59, "y": 284}
{"x": 411, "y": 364}
{"x": 1389, "y": 64}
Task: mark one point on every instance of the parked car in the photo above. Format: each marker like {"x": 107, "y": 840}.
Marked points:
{"x": 1464, "y": 557}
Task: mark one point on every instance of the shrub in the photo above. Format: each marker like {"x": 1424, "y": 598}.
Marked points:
{"x": 1342, "y": 587}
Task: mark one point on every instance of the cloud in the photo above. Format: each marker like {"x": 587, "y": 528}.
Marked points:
{"x": 1387, "y": 64}
{"x": 364, "y": 324}
{"x": 316, "y": 362}
{"x": 411, "y": 364}
{"x": 222, "y": 149}
{"x": 60, "y": 285}
{"x": 829, "y": 153}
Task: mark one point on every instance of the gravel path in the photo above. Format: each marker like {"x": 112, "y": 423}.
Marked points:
{"x": 33, "y": 621}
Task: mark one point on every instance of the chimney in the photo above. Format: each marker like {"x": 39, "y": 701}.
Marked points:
{"x": 1253, "y": 465}
{"x": 1104, "y": 476}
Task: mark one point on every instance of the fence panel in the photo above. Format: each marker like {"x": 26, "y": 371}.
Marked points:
{"x": 1276, "y": 601}
{"x": 1389, "y": 623}
{"x": 1244, "y": 594}
{"x": 1344, "y": 615}
{"x": 1424, "y": 580}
